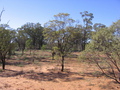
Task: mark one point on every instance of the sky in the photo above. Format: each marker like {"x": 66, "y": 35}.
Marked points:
{"x": 19, "y": 12}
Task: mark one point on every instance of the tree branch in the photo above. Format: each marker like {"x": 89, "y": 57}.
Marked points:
{"x": 1, "y": 14}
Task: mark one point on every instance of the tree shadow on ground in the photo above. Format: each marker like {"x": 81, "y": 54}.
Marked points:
{"x": 27, "y": 58}
{"x": 53, "y": 76}
{"x": 72, "y": 55}
{"x": 30, "y": 58}
{"x": 93, "y": 74}
{"x": 10, "y": 73}
{"x": 18, "y": 63}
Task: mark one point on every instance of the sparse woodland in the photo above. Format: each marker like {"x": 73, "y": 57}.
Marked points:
{"x": 95, "y": 42}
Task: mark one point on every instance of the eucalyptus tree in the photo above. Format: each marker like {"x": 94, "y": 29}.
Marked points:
{"x": 60, "y": 32}
{"x": 21, "y": 39}
{"x": 106, "y": 41}
{"x": 35, "y": 32}
{"x": 6, "y": 44}
{"x": 6, "y": 41}
{"x": 87, "y": 27}
{"x": 98, "y": 26}
{"x": 29, "y": 44}
{"x": 78, "y": 37}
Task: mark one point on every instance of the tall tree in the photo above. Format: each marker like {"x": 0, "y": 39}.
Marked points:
{"x": 21, "y": 39}
{"x": 29, "y": 44}
{"x": 78, "y": 37}
{"x": 6, "y": 43}
{"x": 34, "y": 31}
{"x": 87, "y": 20}
{"x": 61, "y": 33}
{"x": 107, "y": 41}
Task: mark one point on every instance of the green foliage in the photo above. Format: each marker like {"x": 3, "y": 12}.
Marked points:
{"x": 55, "y": 49}
{"x": 98, "y": 26}
{"x": 21, "y": 39}
{"x": 6, "y": 44}
{"x": 82, "y": 57}
{"x": 43, "y": 47}
{"x": 20, "y": 65}
{"x": 87, "y": 56}
{"x": 35, "y": 33}
{"x": 87, "y": 27}
{"x": 5, "y": 41}
{"x": 97, "y": 74}
{"x": 59, "y": 33}
{"x": 29, "y": 44}
{"x": 1, "y": 70}
{"x": 105, "y": 44}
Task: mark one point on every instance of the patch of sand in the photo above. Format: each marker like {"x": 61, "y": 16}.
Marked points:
{"x": 47, "y": 76}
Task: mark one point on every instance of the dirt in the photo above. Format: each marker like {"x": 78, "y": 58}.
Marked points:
{"x": 45, "y": 74}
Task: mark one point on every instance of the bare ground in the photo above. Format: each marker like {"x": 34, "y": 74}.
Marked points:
{"x": 44, "y": 74}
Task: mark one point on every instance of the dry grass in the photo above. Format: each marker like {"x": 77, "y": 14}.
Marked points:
{"x": 39, "y": 72}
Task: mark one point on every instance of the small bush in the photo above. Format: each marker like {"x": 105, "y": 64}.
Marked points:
{"x": 97, "y": 74}
{"x": 1, "y": 70}
{"x": 85, "y": 57}
{"x": 43, "y": 47}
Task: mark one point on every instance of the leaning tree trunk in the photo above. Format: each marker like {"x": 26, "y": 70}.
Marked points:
{"x": 62, "y": 69}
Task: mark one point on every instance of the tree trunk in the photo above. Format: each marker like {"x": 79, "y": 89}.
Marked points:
{"x": 22, "y": 52}
{"x": 83, "y": 46}
{"x": 3, "y": 63}
{"x": 62, "y": 69}
{"x": 34, "y": 42}
{"x": 40, "y": 44}
{"x": 30, "y": 51}
{"x": 84, "y": 40}
{"x": 53, "y": 54}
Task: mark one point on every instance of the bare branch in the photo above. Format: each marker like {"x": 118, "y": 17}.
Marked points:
{"x": 8, "y": 22}
{"x": 1, "y": 14}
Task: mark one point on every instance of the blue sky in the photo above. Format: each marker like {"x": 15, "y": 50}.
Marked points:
{"x": 19, "y": 12}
